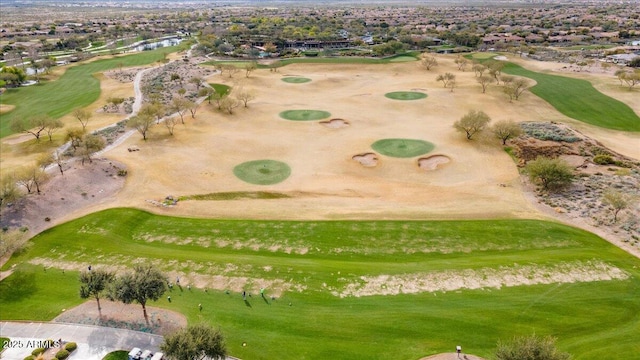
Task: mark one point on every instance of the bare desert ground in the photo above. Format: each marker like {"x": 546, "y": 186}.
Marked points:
{"x": 479, "y": 181}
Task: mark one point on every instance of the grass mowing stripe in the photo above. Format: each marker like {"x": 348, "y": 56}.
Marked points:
{"x": 578, "y": 99}
{"x": 315, "y": 324}
{"x": 77, "y": 87}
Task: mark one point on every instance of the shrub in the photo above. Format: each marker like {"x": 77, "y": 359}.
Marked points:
{"x": 603, "y": 159}
{"x": 70, "y": 347}
{"x": 37, "y": 351}
{"x": 552, "y": 174}
{"x": 62, "y": 354}
{"x": 30, "y": 357}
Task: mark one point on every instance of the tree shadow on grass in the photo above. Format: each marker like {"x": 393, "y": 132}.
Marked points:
{"x": 18, "y": 286}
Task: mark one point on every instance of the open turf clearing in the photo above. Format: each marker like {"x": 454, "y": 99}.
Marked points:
{"x": 262, "y": 172}
{"x": 77, "y": 87}
{"x": 578, "y": 99}
{"x": 304, "y": 115}
{"x": 402, "y": 148}
{"x": 405, "y": 95}
{"x": 296, "y": 80}
{"x": 585, "y": 291}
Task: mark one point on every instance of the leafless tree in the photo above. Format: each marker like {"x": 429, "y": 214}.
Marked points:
{"x": 446, "y": 78}
{"x": 428, "y": 62}
{"x": 485, "y": 81}
{"x": 83, "y": 117}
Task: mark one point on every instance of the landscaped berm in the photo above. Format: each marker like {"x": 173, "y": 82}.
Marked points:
{"x": 262, "y": 172}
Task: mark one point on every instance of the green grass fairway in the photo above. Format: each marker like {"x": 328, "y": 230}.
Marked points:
{"x": 409, "y": 56}
{"x": 402, "y": 148}
{"x": 304, "y": 115}
{"x": 76, "y": 88}
{"x": 593, "y": 320}
{"x": 296, "y": 80}
{"x": 402, "y": 59}
{"x": 220, "y": 88}
{"x": 578, "y": 99}
{"x": 262, "y": 172}
{"x": 406, "y": 95}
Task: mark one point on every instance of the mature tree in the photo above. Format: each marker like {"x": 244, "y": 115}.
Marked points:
{"x": 197, "y": 81}
{"x": 452, "y": 84}
{"x": 220, "y": 94}
{"x": 428, "y": 62}
{"x": 170, "y": 122}
{"x": 505, "y": 130}
{"x": 30, "y": 177}
{"x": 83, "y": 117}
{"x": 206, "y": 92}
{"x": 462, "y": 62}
{"x": 12, "y": 241}
{"x": 143, "y": 284}
{"x": 530, "y": 348}
{"x": 34, "y": 125}
{"x": 495, "y": 69}
{"x": 552, "y": 174}
{"x": 14, "y": 76}
{"x": 75, "y": 137}
{"x": 620, "y": 74}
{"x": 52, "y": 125}
{"x": 39, "y": 176}
{"x": 514, "y": 88}
{"x": 180, "y": 105}
{"x": 230, "y": 70}
{"x": 472, "y": 123}
{"x": 631, "y": 78}
{"x": 479, "y": 69}
{"x": 141, "y": 123}
{"x": 446, "y": 78}
{"x": 228, "y": 104}
{"x": 154, "y": 110}
{"x": 57, "y": 158}
{"x": 250, "y": 67}
{"x": 485, "y": 81}
{"x": 43, "y": 160}
{"x": 193, "y": 107}
{"x": 8, "y": 190}
{"x": 617, "y": 200}
{"x": 91, "y": 144}
{"x": 94, "y": 283}
{"x": 245, "y": 96}
{"x": 47, "y": 64}
{"x": 195, "y": 342}
{"x": 24, "y": 177}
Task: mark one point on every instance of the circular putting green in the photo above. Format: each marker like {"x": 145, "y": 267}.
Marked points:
{"x": 402, "y": 148}
{"x": 262, "y": 172}
{"x": 304, "y": 115}
{"x": 406, "y": 95}
{"x": 296, "y": 80}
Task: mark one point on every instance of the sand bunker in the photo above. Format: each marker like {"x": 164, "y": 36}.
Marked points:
{"x": 450, "y": 280}
{"x": 366, "y": 159}
{"x": 433, "y": 162}
{"x": 335, "y": 123}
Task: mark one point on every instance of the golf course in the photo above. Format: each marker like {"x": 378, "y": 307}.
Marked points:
{"x": 339, "y": 258}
